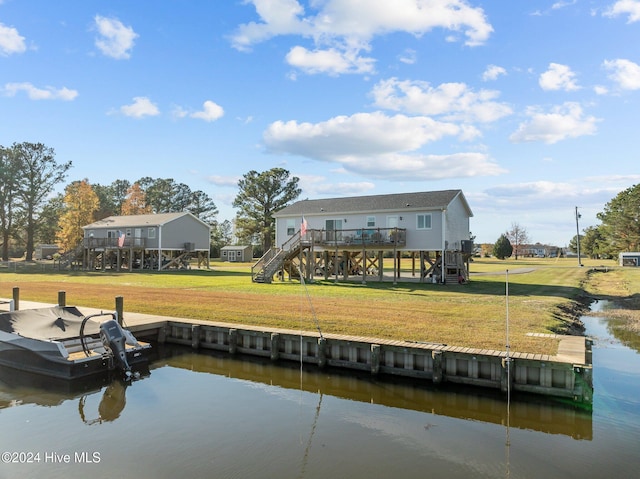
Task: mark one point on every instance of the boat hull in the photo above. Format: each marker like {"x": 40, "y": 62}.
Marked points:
{"x": 45, "y": 358}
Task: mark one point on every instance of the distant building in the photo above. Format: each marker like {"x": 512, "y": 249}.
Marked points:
{"x": 46, "y": 251}
{"x": 153, "y": 241}
{"x": 629, "y": 259}
{"x": 236, "y": 253}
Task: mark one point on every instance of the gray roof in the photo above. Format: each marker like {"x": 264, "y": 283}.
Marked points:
{"x": 427, "y": 200}
{"x": 131, "y": 221}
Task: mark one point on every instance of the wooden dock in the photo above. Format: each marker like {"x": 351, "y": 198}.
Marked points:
{"x": 568, "y": 375}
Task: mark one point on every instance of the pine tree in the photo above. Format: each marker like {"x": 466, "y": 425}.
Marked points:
{"x": 502, "y": 249}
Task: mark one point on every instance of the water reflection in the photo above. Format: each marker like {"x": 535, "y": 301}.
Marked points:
{"x": 111, "y": 405}
{"x": 528, "y": 412}
{"x": 616, "y": 326}
{"x": 24, "y": 388}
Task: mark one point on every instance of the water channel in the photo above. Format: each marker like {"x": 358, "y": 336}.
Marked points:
{"x": 211, "y": 416}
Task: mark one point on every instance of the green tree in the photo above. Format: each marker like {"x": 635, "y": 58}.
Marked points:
{"x": 573, "y": 244}
{"x": 40, "y": 173}
{"x": 164, "y": 195}
{"x": 594, "y": 243}
{"x": 203, "y": 207}
{"x": 49, "y": 218}
{"x": 502, "y": 248}
{"x": 221, "y": 235}
{"x": 261, "y": 195}
{"x": 80, "y": 204}
{"x": 9, "y": 175}
{"x": 621, "y": 221}
{"x": 111, "y": 198}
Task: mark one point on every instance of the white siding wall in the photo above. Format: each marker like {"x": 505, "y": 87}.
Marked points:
{"x": 457, "y": 228}
{"x": 430, "y": 239}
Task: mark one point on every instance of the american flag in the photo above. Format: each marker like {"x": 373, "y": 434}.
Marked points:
{"x": 303, "y": 227}
{"x": 121, "y": 237}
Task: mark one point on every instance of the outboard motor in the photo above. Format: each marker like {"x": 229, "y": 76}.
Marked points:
{"x": 113, "y": 339}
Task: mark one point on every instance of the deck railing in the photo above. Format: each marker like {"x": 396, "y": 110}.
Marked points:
{"x": 357, "y": 237}
{"x": 129, "y": 242}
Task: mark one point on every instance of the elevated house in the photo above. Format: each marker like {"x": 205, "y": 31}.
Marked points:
{"x": 347, "y": 237}
{"x": 153, "y": 241}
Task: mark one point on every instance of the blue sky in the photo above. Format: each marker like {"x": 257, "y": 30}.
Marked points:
{"x": 531, "y": 108}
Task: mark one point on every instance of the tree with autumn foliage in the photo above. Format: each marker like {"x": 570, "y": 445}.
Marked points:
{"x": 135, "y": 202}
{"x": 80, "y": 205}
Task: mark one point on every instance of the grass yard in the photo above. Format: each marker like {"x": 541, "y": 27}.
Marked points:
{"x": 544, "y": 295}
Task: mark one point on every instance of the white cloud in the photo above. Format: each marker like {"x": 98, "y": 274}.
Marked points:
{"x": 10, "y": 41}
{"x": 565, "y": 121}
{"x": 455, "y": 101}
{"x": 224, "y": 180}
{"x": 625, "y": 7}
{"x": 558, "y": 77}
{"x": 409, "y": 56}
{"x": 211, "y": 111}
{"x": 378, "y": 146}
{"x": 140, "y": 108}
{"x": 600, "y": 90}
{"x": 333, "y": 62}
{"x": 317, "y": 185}
{"x": 562, "y": 4}
{"x": 624, "y": 72}
{"x": 493, "y": 72}
{"x": 34, "y": 93}
{"x": 361, "y": 134}
{"x": 341, "y": 29}
{"x": 116, "y": 40}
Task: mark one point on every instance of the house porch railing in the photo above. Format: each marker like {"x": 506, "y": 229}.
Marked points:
{"x": 129, "y": 242}
{"x": 357, "y": 237}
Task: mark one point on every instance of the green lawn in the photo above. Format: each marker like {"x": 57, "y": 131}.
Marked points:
{"x": 542, "y": 297}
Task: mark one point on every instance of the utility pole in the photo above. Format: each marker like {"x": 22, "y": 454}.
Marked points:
{"x": 578, "y": 215}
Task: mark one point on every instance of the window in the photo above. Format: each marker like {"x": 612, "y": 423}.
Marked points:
{"x": 291, "y": 227}
{"x": 371, "y": 221}
{"x": 423, "y": 221}
{"x": 112, "y": 234}
{"x": 151, "y": 233}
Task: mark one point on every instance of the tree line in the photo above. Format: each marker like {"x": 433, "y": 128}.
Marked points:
{"x": 30, "y": 212}
{"x": 619, "y": 231}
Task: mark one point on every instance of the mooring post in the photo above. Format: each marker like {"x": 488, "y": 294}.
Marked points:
{"x": 233, "y": 341}
{"x": 16, "y": 298}
{"x": 508, "y": 375}
{"x": 588, "y": 352}
{"x": 275, "y": 346}
{"x": 162, "y": 334}
{"x": 120, "y": 309}
{"x": 583, "y": 383}
{"x": 375, "y": 359}
{"x": 437, "y": 366}
{"x": 62, "y": 299}
{"x": 195, "y": 336}
{"x": 322, "y": 352}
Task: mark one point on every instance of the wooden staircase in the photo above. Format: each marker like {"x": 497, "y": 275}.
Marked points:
{"x": 274, "y": 260}
{"x": 455, "y": 267}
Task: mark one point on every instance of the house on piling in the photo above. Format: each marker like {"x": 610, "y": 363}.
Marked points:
{"x": 350, "y": 237}
{"x": 151, "y": 241}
